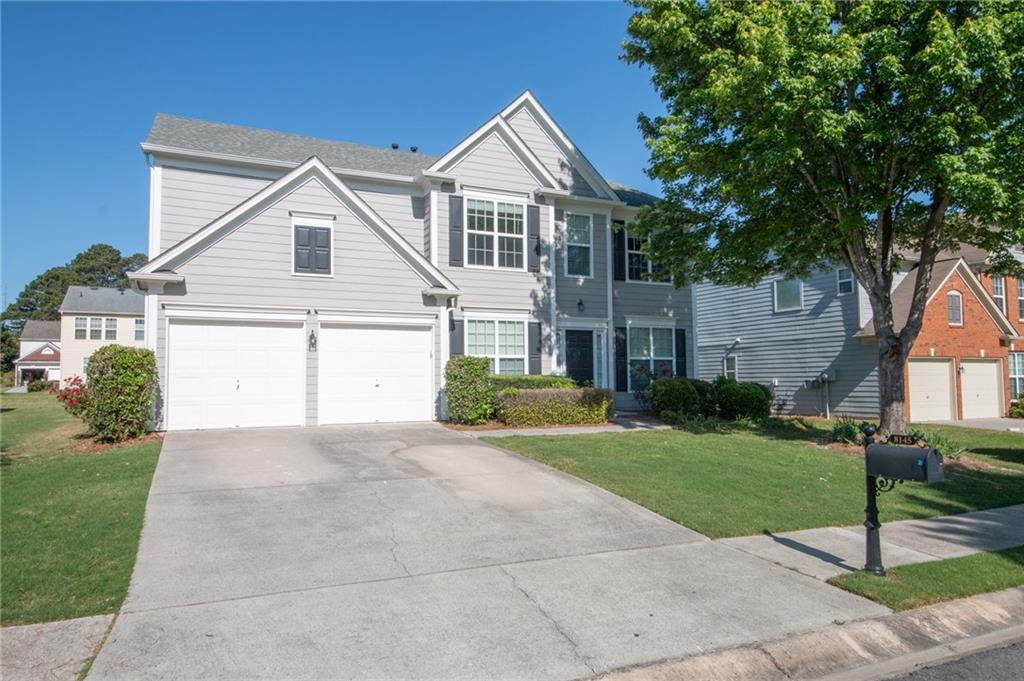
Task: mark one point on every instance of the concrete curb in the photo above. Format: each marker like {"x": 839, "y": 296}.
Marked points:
{"x": 864, "y": 650}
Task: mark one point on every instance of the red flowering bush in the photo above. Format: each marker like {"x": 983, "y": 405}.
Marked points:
{"x": 72, "y": 394}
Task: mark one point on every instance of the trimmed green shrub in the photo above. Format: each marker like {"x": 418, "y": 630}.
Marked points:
{"x": 470, "y": 392}
{"x": 707, "y": 398}
{"x": 39, "y": 386}
{"x": 531, "y": 382}
{"x": 847, "y": 430}
{"x": 742, "y": 400}
{"x": 554, "y": 406}
{"x": 121, "y": 384}
{"x": 1017, "y": 410}
{"x": 676, "y": 395}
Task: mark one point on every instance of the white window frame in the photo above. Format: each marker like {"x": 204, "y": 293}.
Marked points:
{"x": 85, "y": 365}
{"x": 497, "y": 356}
{"x": 139, "y": 328}
{"x": 495, "y": 199}
{"x": 1016, "y": 377}
{"x": 959, "y": 296}
{"x": 110, "y": 330}
{"x": 1020, "y": 299}
{"x": 1000, "y": 297}
{"x": 840, "y": 280}
{"x": 304, "y": 220}
{"x": 650, "y": 326}
{"x": 735, "y": 367}
{"x": 83, "y": 327}
{"x": 775, "y": 295}
{"x": 647, "y": 259}
{"x": 96, "y": 324}
{"x": 589, "y": 246}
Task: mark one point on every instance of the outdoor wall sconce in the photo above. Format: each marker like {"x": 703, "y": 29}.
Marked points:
{"x": 580, "y": 306}
{"x": 312, "y": 340}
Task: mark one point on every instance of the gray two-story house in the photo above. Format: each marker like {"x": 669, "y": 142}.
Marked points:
{"x": 302, "y": 281}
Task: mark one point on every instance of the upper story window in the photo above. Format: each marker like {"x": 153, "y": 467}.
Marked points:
{"x": 844, "y": 280}
{"x": 312, "y": 247}
{"x": 95, "y": 328}
{"x": 730, "y": 368}
{"x": 495, "y": 227}
{"x": 651, "y": 354}
{"x": 140, "y": 329}
{"x": 501, "y": 341}
{"x": 1020, "y": 299}
{"x": 789, "y": 295}
{"x": 999, "y": 291}
{"x": 110, "y": 329}
{"x": 954, "y": 308}
{"x": 579, "y": 240}
{"x": 81, "y": 327}
{"x": 638, "y": 266}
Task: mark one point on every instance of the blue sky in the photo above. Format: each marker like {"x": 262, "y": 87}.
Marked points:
{"x": 81, "y": 83}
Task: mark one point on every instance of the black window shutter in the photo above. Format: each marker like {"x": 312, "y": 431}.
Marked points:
{"x": 621, "y": 363}
{"x": 455, "y": 344}
{"x": 321, "y": 250}
{"x": 533, "y": 346}
{"x": 680, "y": 352}
{"x": 620, "y": 251}
{"x": 533, "y": 238}
{"x": 455, "y": 231}
{"x": 303, "y": 250}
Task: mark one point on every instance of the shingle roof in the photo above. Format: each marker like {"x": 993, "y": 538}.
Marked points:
{"x": 633, "y": 197}
{"x": 40, "y": 356}
{"x": 972, "y": 255}
{"x": 107, "y": 300}
{"x": 35, "y": 329}
{"x": 236, "y": 140}
{"x": 903, "y": 295}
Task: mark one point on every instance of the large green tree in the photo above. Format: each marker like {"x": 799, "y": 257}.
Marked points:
{"x": 99, "y": 265}
{"x": 808, "y": 132}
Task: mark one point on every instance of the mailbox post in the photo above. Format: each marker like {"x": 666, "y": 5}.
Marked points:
{"x": 884, "y": 467}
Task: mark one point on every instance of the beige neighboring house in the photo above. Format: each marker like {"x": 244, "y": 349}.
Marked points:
{"x": 38, "y": 352}
{"x": 91, "y": 317}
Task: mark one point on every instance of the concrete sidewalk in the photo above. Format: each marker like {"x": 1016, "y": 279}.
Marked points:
{"x": 54, "y": 651}
{"x": 830, "y": 551}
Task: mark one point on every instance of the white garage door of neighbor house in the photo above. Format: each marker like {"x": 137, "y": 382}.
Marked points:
{"x": 234, "y": 374}
{"x": 931, "y": 390}
{"x": 982, "y": 392}
{"x": 374, "y": 373}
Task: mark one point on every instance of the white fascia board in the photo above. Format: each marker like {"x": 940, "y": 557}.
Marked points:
{"x": 558, "y": 135}
{"x": 983, "y": 296}
{"x": 508, "y": 136}
{"x": 569, "y": 200}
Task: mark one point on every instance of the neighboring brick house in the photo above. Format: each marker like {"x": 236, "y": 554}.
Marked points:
{"x": 92, "y": 317}
{"x": 38, "y": 352}
{"x": 1008, "y": 292}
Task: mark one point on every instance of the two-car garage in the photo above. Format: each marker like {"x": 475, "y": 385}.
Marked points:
{"x": 932, "y": 388}
{"x": 242, "y": 373}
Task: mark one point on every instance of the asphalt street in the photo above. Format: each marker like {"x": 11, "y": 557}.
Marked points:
{"x": 999, "y": 664}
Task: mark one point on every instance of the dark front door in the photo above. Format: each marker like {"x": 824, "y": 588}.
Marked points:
{"x": 579, "y": 356}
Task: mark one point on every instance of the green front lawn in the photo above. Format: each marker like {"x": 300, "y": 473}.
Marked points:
{"x": 911, "y": 586}
{"x": 70, "y": 513}
{"x": 752, "y": 480}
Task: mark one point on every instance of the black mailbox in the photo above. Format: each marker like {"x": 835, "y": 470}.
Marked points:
{"x": 918, "y": 464}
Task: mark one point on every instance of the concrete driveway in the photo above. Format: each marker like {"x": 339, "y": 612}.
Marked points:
{"x": 1001, "y": 423}
{"x": 414, "y": 552}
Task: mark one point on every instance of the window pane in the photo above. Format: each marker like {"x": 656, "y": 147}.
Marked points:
{"x": 1016, "y": 375}
{"x": 480, "y": 215}
{"x": 955, "y": 313}
{"x": 140, "y": 329}
{"x": 637, "y": 266}
{"x": 998, "y": 286}
{"x": 662, "y": 342}
{"x": 578, "y": 229}
{"x": 662, "y": 368}
{"x": 480, "y": 249}
{"x": 510, "y": 218}
{"x": 95, "y": 328}
{"x": 639, "y": 373}
{"x": 111, "y": 329}
{"x": 639, "y": 342}
{"x": 787, "y": 295}
{"x": 80, "y": 327}
{"x": 845, "y": 277}
{"x": 480, "y": 337}
{"x": 511, "y": 338}
{"x": 511, "y": 366}
{"x": 510, "y": 251}
{"x": 578, "y": 261}
{"x": 632, "y": 243}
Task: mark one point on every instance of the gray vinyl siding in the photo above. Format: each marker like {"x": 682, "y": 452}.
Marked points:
{"x": 399, "y": 209}
{"x": 190, "y": 200}
{"x": 549, "y": 154}
{"x": 656, "y": 300}
{"x": 491, "y": 165}
{"x": 790, "y": 348}
{"x": 593, "y": 290}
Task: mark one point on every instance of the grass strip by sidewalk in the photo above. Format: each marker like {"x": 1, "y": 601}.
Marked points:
{"x": 70, "y": 514}
{"x": 912, "y": 586}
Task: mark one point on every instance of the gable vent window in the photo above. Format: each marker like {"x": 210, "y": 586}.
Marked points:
{"x": 954, "y": 308}
{"x": 495, "y": 228}
{"x": 999, "y": 292}
{"x": 312, "y": 247}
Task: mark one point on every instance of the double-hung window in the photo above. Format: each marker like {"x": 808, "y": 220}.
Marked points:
{"x": 999, "y": 291}
{"x": 501, "y": 341}
{"x": 844, "y": 281}
{"x": 495, "y": 234}
{"x": 110, "y": 329}
{"x": 81, "y": 328}
{"x": 579, "y": 244}
{"x": 1020, "y": 299}
{"x": 95, "y": 328}
{"x": 638, "y": 266}
{"x": 730, "y": 368}
{"x": 651, "y": 354}
{"x": 1016, "y": 375}
{"x": 954, "y": 308}
{"x": 789, "y": 295}
{"x": 140, "y": 329}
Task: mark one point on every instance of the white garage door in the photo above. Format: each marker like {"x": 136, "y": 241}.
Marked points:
{"x": 982, "y": 392}
{"x": 369, "y": 374}
{"x": 229, "y": 374}
{"x": 931, "y": 390}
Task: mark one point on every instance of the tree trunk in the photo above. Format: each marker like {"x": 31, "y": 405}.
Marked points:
{"x": 891, "y": 389}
